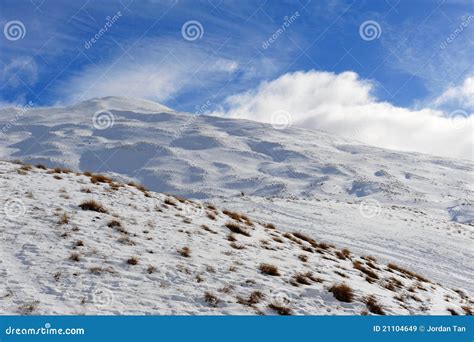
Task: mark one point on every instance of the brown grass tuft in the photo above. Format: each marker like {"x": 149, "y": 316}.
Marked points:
{"x": 303, "y": 257}
{"x": 114, "y": 224}
{"x": 170, "y": 201}
{"x": 185, "y": 252}
{"x": 373, "y": 306}
{"x": 211, "y": 299}
{"x": 211, "y": 216}
{"x": 151, "y": 269}
{"x": 98, "y": 178}
{"x": 64, "y": 219}
{"x": 343, "y": 254}
{"x": 371, "y": 274}
{"x": 406, "y": 273}
{"x": 280, "y": 309}
{"x": 75, "y": 257}
{"x": 301, "y": 278}
{"x": 269, "y": 269}
{"x": 254, "y": 298}
{"x": 236, "y": 228}
{"x": 342, "y": 292}
{"x": 93, "y": 206}
{"x": 133, "y": 261}
{"x": 238, "y": 217}
{"x": 125, "y": 240}
{"x": 306, "y": 238}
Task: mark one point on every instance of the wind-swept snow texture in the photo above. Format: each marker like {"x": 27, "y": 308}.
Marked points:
{"x": 411, "y": 209}
{"x": 80, "y": 244}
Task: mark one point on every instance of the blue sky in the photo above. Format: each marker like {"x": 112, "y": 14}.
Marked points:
{"x": 144, "y": 54}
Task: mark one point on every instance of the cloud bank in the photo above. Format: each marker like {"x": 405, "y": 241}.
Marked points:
{"x": 343, "y": 104}
{"x": 157, "y": 70}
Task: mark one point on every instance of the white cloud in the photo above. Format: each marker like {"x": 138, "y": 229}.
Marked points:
{"x": 158, "y": 70}
{"x": 461, "y": 96}
{"x": 343, "y": 104}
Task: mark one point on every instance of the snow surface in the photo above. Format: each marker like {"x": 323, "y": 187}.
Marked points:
{"x": 38, "y": 274}
{"x": 412, "y": 209}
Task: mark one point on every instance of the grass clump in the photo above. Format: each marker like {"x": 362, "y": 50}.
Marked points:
{"x": 170, "y": 201}
{"x": 64, "y": 219}
{"x": 306, "y": 238}
{"x": 370, "y": 274}
{"x": 269, "y": 269}
{"x": 373, "y": 306}
{"x": 185, "y": 252}
{"x": 133, "y": 261}
{"x": 98, "y": 178}
{"x": 342, "y": 292}
{"x": 280, "y": 309}
{"x": 93, "y": 205}
{"x": 254, "y": 298}
{"x": 238, "y": 217}
{"x": 236, "y": 228}
{"x": 75, "y": 257}
{"x": 405, "y": 272}
{"x": 211, "y": 299}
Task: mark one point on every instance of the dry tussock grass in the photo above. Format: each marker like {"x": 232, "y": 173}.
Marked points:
{"x": 269, "y": 269}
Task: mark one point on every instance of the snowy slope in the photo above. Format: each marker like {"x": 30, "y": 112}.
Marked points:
{"x": 414, "y": 208}
{"x": 130, "y": 257}
{"x": 203, "y": 156}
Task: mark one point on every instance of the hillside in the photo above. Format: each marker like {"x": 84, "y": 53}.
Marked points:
{"x": 199, "y": 156}
{"x": 74, "y": 243}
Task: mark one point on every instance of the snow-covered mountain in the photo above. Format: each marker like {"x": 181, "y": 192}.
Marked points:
{"x": 84, "y": 244}
{"x": 201, "y": 156}
{"x": 411, "y": 209}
